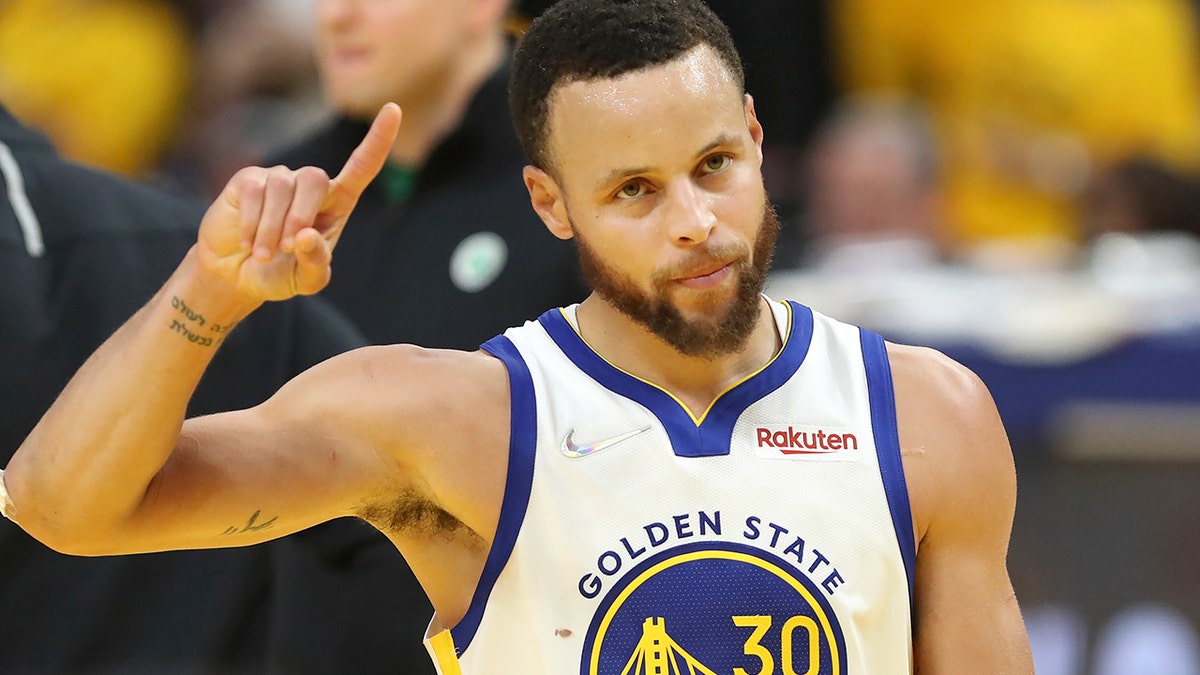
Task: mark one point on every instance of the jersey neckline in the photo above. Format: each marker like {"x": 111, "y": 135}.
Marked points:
{"x": 709, "y": 434}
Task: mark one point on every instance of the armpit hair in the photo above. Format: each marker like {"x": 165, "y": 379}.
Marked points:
{"x": 410, "y": 513}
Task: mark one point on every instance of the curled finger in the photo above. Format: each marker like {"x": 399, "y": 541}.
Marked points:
{"x": 279, "y": 191}
{"x": 311, "y": 186}
{"x": 249, "y": 192}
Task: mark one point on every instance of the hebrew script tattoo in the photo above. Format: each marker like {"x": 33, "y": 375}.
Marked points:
{"x": 192, "y": 325}
{"x": 252, "y": 525}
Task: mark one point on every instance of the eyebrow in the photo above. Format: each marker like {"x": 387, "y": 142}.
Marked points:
{"x": 618, "y": 175}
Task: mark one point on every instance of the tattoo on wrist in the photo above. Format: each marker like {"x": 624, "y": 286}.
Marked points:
{"x": 252, "y": 525}
{"x": 198, "y": 330}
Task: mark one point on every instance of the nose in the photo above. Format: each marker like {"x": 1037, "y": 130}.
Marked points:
{"x": 689, "y": 216}
{"x": 332, "y": 14}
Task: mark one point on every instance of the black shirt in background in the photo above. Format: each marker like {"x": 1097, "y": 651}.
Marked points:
{"x": 109, "y": 245}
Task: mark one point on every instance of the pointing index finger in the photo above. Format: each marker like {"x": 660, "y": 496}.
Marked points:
{"x": 370, "y": 155}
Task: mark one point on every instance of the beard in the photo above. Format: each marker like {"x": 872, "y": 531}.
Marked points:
{"x": 709, "y": 337}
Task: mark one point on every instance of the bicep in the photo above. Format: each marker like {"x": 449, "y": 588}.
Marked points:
{"x": 248, "y": 476}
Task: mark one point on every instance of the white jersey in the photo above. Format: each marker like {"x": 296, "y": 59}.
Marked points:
{"x": 769, "y": 535}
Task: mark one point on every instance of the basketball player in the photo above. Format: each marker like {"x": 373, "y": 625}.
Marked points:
{"x": 678, "y": 475}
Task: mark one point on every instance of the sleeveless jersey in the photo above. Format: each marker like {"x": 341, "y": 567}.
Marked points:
{"x": 770, "y": 535}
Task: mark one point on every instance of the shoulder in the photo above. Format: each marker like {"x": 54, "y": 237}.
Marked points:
{"x": 957, "y": 460}
{"x": 928, "y": 378}
{"x": 73, "y": 203}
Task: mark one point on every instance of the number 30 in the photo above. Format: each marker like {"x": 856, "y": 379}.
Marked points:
{"x": 753, "y": 646}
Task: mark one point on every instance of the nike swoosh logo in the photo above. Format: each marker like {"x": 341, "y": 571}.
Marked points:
{"x": 573, "y": 450}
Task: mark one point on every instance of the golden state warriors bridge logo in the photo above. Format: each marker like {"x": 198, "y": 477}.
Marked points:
{"x": 714, "y": 608}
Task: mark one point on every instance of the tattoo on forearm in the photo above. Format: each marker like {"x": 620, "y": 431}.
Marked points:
{"x": 192, "y": 325}
{"x": 252, "y": 525}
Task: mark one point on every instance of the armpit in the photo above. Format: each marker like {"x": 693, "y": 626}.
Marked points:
{"x": 411, "y": 514}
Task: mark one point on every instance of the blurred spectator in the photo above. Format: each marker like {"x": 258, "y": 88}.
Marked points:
{"x": 872, "y": 189}
{"x": 1142, "y": 195}
{"x": 1032, "y": 98}
{"x": 450, "y": 216}
{"x": 1142, "y": 223}
{"x": 80, "y": 250}
{"x": 870, "y": 181}
{"x": 105, "y": 79}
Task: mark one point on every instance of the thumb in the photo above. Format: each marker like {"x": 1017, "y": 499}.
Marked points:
{"x": 313, "y": 257}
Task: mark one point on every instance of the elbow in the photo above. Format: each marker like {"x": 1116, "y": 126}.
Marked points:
{"x": 42, "y": 521}
{"x": 73, "y": 541}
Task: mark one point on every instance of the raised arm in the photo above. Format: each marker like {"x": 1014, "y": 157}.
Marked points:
{"x": 87, "y": 478}
{"x": 962, "y": 487}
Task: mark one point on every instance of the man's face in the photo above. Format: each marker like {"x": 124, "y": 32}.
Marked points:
{"x": 660, "y": 176}
{"x": 373, "y": 51}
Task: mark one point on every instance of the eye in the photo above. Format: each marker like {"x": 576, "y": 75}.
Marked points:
{"x": 631, "y": 190}
{"x": 714, "y": 163}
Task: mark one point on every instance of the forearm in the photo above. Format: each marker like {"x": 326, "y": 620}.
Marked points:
{"x": 85, "y": 468}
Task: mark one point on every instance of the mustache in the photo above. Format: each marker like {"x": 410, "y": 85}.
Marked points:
{"x": 703, "y": 260}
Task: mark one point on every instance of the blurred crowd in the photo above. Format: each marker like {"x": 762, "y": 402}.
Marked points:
{"x": 1041, "y": 155}
{"x": 1022, "y": 176}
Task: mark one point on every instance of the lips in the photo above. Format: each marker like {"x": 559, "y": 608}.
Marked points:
{"x": 707, "y": 271}
{"x": 347, "y": 55}
{"x": 708, "y": 276}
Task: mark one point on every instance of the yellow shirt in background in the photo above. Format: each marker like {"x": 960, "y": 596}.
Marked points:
{"x": 105, "y": 79}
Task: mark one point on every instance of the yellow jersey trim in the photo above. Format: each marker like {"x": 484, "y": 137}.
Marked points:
{"x": 445, "y": 656}
{"x": 787, "y": 334}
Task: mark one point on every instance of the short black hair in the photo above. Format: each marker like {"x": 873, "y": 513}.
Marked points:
{"x": 580, "y": 40}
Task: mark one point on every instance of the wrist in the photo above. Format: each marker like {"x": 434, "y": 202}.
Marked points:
{"x": 202, "y": 306}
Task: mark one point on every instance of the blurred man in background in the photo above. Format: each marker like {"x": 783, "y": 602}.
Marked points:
{"x": 79, "y": 250}
{"x": 448, "y": 215}
{"x": 871, "y": 186}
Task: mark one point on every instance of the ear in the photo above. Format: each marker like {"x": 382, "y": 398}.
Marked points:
{"x": 549, "y": 202}
{"x": 756, "y": 130}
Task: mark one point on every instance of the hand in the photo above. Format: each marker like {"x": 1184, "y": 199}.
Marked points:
{"x": 271, "y": 232}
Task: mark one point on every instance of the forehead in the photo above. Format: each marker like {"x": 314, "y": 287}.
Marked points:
{"x": 649, "y": 117}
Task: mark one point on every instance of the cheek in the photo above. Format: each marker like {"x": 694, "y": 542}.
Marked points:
{"x": 741, "y": 208}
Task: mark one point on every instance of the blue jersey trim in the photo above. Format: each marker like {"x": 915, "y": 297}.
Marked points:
{"x": 713, "y": 434}
{"x": 887, "y": 447}
{"x": 521, "y": 448}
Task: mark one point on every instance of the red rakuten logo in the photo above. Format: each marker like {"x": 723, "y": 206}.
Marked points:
{"x": 792, "y": 442}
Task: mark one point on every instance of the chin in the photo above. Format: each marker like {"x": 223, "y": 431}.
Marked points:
{"x": 353, "y": 104}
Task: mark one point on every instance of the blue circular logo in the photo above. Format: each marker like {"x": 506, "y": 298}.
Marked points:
{"x": 714, "y": 608}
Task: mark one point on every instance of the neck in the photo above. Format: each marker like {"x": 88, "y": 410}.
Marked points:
{"x": 432, "y": 116}
{"x": 696, "y": 381}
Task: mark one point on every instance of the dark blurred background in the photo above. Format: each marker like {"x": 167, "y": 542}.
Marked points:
{"x": 1014, "y": 183}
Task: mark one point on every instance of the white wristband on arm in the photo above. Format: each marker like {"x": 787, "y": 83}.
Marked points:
{"x": 6, "y": 505}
